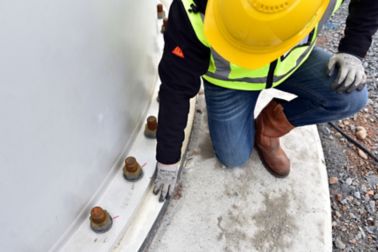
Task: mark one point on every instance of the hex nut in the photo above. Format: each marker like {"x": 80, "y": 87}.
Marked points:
{"x": 132, "y": 171}
{"x": 151, "y": 127}
{"x": 100, "y": 220}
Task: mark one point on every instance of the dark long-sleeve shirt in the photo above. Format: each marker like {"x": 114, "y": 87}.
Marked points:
{"x": 180, "y": 73}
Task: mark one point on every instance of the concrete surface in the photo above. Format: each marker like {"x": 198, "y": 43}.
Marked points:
{"x": 247, "y": 209}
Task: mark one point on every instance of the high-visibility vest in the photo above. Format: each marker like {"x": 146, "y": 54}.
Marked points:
{"x": 228, "y": 75}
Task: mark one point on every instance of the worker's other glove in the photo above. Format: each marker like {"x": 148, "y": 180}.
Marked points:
{"x": 165, "y": 180}
{"x": 351, "y": 75}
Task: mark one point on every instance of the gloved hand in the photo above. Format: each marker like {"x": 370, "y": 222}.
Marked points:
{"x": 165, "y": 180}
{"x": 351, "y": 74}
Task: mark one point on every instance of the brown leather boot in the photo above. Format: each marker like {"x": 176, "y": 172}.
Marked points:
{"x": 270, "y": 125}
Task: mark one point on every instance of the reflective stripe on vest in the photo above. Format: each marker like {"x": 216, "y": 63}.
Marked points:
{"x": 226, "y": 74}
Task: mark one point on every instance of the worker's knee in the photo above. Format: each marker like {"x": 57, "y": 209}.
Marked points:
{"x": 234, "y": 158}
{"x": 232, "y": 143}
{"x": 348, "y": 104}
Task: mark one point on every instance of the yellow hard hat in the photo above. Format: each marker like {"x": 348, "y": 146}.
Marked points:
{"x": 253, "y": 33}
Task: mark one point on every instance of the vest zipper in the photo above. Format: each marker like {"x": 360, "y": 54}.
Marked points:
{"x": 270, "y": 77}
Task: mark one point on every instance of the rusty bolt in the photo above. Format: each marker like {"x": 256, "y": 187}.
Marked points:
{"x": 151, "y": 127}
{"x": 160, "y": 11}
{"x": 131, "y": 164}
{"x": 98, "y": 215}
{"x": 152, "y": 123}
{"x": 132, "y": 170}
{"x": 100, "y": 219}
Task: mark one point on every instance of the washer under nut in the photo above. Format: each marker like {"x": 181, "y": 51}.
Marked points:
{"x": 151, "y": 127}
{"x": 101, "y": 221}
{"x": 132, "y": 171}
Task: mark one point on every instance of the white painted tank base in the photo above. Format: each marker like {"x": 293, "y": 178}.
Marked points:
{"x": 76, "y": 79}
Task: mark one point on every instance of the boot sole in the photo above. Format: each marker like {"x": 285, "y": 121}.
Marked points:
{"x": 267, "y": 166}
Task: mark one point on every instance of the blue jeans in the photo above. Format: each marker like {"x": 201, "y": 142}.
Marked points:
{"x": 230, "y": 112}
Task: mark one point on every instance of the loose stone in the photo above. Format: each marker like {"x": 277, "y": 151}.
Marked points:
{"x": 357, "y": 195}
{"x": 349, "y": 181}
{"x": 333, "y": 180}
{"x": 339, "y": 244}
{"x": 362, "y": 154}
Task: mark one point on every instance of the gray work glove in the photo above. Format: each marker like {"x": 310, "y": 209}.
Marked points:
{"x": 165, "y": 180}
{"x": 351, "y": 74}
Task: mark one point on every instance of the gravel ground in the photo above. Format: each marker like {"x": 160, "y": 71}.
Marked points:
{"x": 353, "y": 176}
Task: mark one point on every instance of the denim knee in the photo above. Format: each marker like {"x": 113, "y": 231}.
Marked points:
{"x": 233, "y": 149}
{"x": 232, "y": 158}
{"x": 348, "y": 104}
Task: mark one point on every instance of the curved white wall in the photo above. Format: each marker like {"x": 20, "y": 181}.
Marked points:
{"x": 75, "y": 80}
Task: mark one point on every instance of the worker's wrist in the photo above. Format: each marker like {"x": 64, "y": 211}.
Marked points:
{"x": 352, "y": 54}
{"x": 167, "y": 156}
{"x": 168, "y": 166}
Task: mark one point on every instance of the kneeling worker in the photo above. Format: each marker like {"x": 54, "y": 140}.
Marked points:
{"x": 240, "y": 47}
